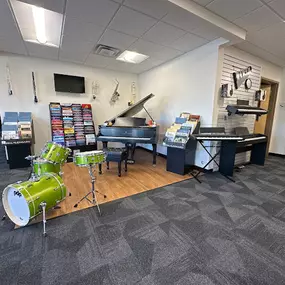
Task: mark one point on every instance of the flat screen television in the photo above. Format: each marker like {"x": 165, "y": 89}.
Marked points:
{"x": 68, "y": 83}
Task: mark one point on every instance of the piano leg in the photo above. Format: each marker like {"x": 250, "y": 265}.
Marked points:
{"x": 154, "y": 152}
{"x": 131, "y": 152}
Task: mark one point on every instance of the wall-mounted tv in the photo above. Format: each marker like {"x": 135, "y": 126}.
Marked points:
{"x": 68, "y": 83}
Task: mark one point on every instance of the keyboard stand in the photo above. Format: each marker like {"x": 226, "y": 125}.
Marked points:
{"x": 213, "y": 159}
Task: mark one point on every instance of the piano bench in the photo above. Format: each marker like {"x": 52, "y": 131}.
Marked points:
{"x": 117, "y": 155}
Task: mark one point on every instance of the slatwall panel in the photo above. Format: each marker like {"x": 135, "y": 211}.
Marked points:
{"x": 230, "y": 65}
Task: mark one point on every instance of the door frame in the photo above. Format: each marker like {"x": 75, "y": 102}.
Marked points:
{"x": 272, "y": 107}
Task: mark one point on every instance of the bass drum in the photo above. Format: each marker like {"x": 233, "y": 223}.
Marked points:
{"x": 22, "y": 200}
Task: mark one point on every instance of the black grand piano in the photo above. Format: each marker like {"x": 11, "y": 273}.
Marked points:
{"x": 125, "y": 128}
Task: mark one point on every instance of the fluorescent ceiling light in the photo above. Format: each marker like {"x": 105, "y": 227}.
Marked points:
{"x": 38, "y": 25}
{"x": 132, "y": 57}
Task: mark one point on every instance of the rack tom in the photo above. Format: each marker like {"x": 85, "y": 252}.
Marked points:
{"x": 55, "y": 153}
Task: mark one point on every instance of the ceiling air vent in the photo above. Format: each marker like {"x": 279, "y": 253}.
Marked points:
{"x": 106, "y": 51}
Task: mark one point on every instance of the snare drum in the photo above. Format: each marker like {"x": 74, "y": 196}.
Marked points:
{"x": 41, "y": 167}
{"x": 22, "y": 200}
{"x": 55, "y": 153}
{"x": 87, "y": 158}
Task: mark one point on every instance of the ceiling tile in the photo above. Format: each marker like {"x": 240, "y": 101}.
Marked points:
{"x": 163, "y": 33}
{"x": 203, "y": 2}
{"x": 117, "y": 39}
{"x": 155, "y": 50}
{"x": 99, "y": 12}
{"x": 75, "y": 57}
{"x": 208, "y": 32}
{"x": 188, "y": 42}
{"x": 233, "y": 9}
{"x": 278, "y": 6}
{"x": 131, "y": 22}
{"x": 53, "y": 5}
{"x": 119, "y": 1}
{"x": 13, "y": 46}
{"x": 258, "y": 19}
{"x": 98, "y": 60}
{"x": 146, "y": 65}
{"x": 82, "y": 31}
{"x": 271, "y": 39}
{"x": 8, "y": 27}
{"x": 183, "y": 19}
{"x": 154, "y": 8}
{"x": 257, "y": 51}
{"x": 42, "y": 51}
{"x": 120, "y": 66}
{"x": 72, "y": 45}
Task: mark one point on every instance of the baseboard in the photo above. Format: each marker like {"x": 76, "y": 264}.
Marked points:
{"x": 277, "y": 154}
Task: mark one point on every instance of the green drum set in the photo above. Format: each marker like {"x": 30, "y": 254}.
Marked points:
{"x": 44, "y": 190}
{"x": 23, "y": 201}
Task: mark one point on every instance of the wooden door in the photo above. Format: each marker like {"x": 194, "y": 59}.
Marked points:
{"x": 260, "y": 125}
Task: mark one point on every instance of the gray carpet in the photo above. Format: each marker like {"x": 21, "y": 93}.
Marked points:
{"x": 214, "y": 233}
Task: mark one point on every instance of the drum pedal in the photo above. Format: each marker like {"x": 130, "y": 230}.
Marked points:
{"x": 131, "y": 161}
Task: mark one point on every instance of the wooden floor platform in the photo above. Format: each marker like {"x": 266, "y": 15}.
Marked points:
{"x": 141, "y": 177}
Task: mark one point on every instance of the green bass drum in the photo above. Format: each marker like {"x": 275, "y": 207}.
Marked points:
{"x": 22, "y": 200}
{"x": 87, "y": 158}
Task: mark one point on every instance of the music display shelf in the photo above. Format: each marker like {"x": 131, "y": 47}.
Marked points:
{"x": 68, "y": 126}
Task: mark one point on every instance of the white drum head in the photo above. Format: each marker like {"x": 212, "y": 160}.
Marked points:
{"x": 16, "y": 206}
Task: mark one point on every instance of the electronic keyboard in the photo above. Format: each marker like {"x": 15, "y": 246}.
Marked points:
{"x": 245, "y": 109}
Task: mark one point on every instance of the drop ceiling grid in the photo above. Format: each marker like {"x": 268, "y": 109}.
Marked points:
{"x": 234, "y": 121}
{"x": 143, "y": 37}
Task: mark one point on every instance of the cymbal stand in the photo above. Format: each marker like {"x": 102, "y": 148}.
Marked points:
{"x": 94, "y": 201}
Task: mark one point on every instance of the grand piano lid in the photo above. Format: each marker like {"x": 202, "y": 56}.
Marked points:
{"x": 131, "y": 111}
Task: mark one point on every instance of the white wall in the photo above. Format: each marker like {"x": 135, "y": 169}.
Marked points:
{"x": 186, "y": 84}
{"x": 22, "y": 100}
{"x": 272, "y": 72}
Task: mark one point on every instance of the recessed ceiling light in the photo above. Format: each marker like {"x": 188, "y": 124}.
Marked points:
{"x": 132, "y": 57}
{"x": 38, "y": 25}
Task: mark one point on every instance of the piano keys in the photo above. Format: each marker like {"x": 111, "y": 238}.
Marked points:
{"x": 216, "y": 137}
{"x": 129, "y": 130}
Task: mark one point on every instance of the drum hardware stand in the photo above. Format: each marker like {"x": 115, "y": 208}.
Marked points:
{"x": 43, "y": 205}
{"x": 33, "y": 176}
{"x": 93, "y": 192}
{"x": 61, "y": 175}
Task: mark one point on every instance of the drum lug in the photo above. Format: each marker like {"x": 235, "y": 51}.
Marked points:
{"x": 18, "y": 182}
